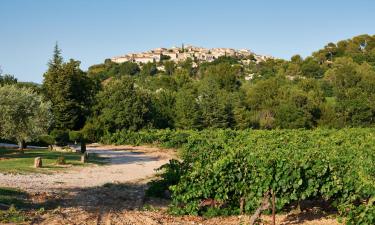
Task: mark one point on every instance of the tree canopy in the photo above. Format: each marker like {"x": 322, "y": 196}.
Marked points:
{"x": 24, "y": 116}
{"x": 70, "y": 90}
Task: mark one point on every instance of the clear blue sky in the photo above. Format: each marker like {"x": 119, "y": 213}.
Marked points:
{"x": 91, "y": 31}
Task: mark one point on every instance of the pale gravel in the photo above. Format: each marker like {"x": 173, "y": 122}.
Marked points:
{"x": 125, "y": 164}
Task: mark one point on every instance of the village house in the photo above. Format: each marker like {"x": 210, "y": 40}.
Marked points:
{"x": 178, "y": 54}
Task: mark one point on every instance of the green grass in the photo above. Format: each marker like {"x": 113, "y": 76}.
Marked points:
{"x": 13, "y": 161}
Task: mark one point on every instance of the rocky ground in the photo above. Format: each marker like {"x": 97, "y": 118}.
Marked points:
{"x": 114, "y": 193}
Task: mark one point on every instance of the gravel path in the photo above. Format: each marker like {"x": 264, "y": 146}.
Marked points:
{"x": 125, "y": 164}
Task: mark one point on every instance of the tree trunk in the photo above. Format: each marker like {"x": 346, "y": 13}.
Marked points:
{"x": 83, "y": 146}
{"x": 21, "y": 145}
{"x": 264, "y": 205}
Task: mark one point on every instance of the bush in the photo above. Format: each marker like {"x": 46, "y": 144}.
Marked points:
{"x": 170, "y": 176}
{"x": 61, "y": 160}
{"x": 45, "y": 140}
{"x": 92, "y": 132}
{"x": 61, "y": 137}
{"x": 75, "y": 136}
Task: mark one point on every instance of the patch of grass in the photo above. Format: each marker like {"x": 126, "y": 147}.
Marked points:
{"x": 13, "y": 161}
{"x": 12, "y": 215}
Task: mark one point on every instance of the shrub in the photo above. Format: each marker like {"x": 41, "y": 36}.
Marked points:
{"x": 46, "y": 140}
{"x": 61, "y": 160}
{"x": 75, "y": 136}
{"x": 61, "y": 137}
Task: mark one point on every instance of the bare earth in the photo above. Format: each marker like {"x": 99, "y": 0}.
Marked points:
{"x": 126, "y": 163}
{"x": 114, "y": 193}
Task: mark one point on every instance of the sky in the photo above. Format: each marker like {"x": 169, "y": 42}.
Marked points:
{"x": 92, "y": 30}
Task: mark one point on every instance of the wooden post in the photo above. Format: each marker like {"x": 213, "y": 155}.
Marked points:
{"x": 38, "y": 162}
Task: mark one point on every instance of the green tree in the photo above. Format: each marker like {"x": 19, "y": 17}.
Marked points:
{"x": 7, "y": 79}
{"x": 224, "y": 75}
{"x": 163, "y": 104}
{"x": 354, "y": 91}
{"x": 128, "y": 68}
{"x": 187, "y": 108}
{"x": 120, "y": 105}
{"x": 215, "y": 106}
{"x": 311, "y": 68}
{"x": 70, "y": 90}
{"x": 24, "y": 116}
{"x": 149, "y": 69}
{"x": 169, "y": 67}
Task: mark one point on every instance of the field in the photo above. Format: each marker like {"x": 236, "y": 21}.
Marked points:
{"x": 228, "y": 168}
{"x": 318, "y": 176}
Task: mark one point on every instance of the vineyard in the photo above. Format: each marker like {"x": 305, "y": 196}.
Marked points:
{"x": 234, "y": 169}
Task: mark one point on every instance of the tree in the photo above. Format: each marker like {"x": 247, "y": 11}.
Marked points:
{"x": 163, "y": 104}
{"x": 149, "y": 69}
{"x": 224, "y": 75}
{"x": 70, "y": 90}
{"x": 311, "y": 68}
{"x": 120, "y": 105}
{"x": 23, "y": 114}
{"x": 215, "y": 106}
{"x": 354, "y": 91}
{"x": 7, "y": 79}
{"x": 169, "y": 67}
{"x": 128, "y": 68}
{"x": 188, "y": 66}
{"x": 187, "y": 108}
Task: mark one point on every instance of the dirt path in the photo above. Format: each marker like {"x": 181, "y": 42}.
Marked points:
{"x": 125, "y": 164}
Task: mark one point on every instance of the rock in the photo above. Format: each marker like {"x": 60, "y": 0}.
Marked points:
{"x": 38, "y": 162}
{"x": 83, "y": 158}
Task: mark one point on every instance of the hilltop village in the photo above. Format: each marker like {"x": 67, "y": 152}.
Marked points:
{"x": 197, "y": 54}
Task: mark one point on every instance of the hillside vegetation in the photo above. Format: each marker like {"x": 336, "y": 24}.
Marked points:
{"x": 333, "y": 88}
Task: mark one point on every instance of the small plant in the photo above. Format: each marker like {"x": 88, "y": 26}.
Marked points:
{"x": 149, "y": 208}
{"x": 61, "y": 160}
{"x": 12, "y": 215}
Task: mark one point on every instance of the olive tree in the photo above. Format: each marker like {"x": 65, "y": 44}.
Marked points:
{"x": 24, "y": 116}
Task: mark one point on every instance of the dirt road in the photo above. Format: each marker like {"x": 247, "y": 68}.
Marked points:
{"x": 124, "y": 164}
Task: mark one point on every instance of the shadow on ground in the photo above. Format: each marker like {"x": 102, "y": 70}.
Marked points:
{"x": 309, "y": 210}
{"x": 124, "y": 156}
{"x": 93, "y": 205}
{"x": 109, "y": 197}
